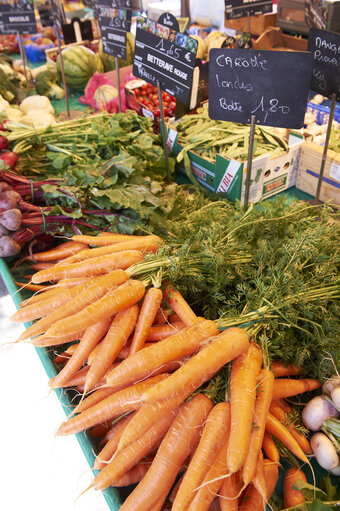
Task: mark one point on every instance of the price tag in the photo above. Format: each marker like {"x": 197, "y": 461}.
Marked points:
{"x": 272, "y": 85}
{"x": 164, "y": 55}
{"x": 18, "y": 18}
{"x": 325, "y": 47}
{"x": 240, "y": 8}
{"x": 114, "y": 18}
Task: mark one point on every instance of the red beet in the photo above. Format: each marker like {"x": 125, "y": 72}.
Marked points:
{"x": 9, "y": 158}
{"x": 3, "y": 142}
{"x": 8, "y": 247}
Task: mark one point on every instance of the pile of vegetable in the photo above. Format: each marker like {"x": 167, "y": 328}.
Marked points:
{"x": 12, "y": 83}
{"x": 147, "y": 96}
{"x": 34, "y": 112}
{"x": 47, "y": 83}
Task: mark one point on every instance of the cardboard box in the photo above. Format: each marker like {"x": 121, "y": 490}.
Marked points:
{"x": 274, "y": 39}
{"x": 269, "y": 176}
{"x": 309, "y": 172}
{"x": 258, "y": 24}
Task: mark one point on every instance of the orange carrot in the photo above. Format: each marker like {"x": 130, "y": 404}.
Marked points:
{"x": 211, "y": 442}
{"x": 91, "y": 337}
{"x": 284, "y": 405}
{"x": 181, "y": 307}
{"x": 37, "y": 297}
{"x": 114, "y": 405}
{"x": 99, "y": 430}
{"x": 150, "y": 306}
{"x": 261, "y": 409}
{"x": 201, "y": 367}
{"x": 114, "y": 340}
{"x": 178, "y": 443}
{"x": 243, "y": 381}
{"x": 259, "y": 480}
{"x": 45, "y": 342}
{"x": 276, "y": 410}
{"x": 228, "y": 494}
{"x": 109, "y": 238}
{"x": 60, "y": 252}
{"x": 279, "y": 369}
{"x": 161, "y": 317}
{"x": 63, "y": 357}
{"x": 94, "y": 397}
{"x": 176, "y": 347}
{"x": 160, "y": 332}
{"x": 252, "y": 500}
{"x": 270, "y": 448}
{"x": 135, "y": 474}
{"x": 113, "y": 435}
{"x": 89, "y": 267}
{"x": 30, "y": 287}
{"x": 113, "y": 301}
{"x": 277, "y": 429}
{"x": 291, "y": 496}
{"x": 41, "y": 266}
{"x": 287, "y": 387}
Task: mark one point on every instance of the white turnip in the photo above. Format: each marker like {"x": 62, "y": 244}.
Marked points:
{"x": 8, "y": 247}
{"x": 316, "y": 411}
{"x": 335, "y": 471}
{"x": 9, "y": 200}
{"x": 329, "y": 384}
{"x": 324, "y": 451}
{"x": 335, "y": 396}
{"x": 11, "y": 219}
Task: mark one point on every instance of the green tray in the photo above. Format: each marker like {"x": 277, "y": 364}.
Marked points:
{"x": 112, "y": 495}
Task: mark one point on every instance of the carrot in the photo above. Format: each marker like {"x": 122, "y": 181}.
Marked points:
{"x": 279, "y": 369}
{"x": 161, "y": 317}
{"x": 94, "y": 397}
{"x": 228, "y": 494}
{"x": 114, "y": 405}
{"x": 276, "y": 410}
{"x": 91, "y": 337}
{"x": 82, "y": 296}
{"x": 284, "y": 405}
{"x": 291, "y": 496}
{"x": 41, "y": 266}
{"x": 277, "y": 429}
{"x": 175, "y": 347}
{"x": 89, "y": 267}
{"x": 108, "y": 238}
{"x": 100, "y": 430}
{"x": 135, "y": 474}
{"x": 114, "y": 340}
{"x": 243, "y": 381}
{"x": 113, "y": 301}
{"x": 261, "y": 409}
{"x": 270, "y": 448}
{"x": 150, "y": 306}
{"x": 181, "y": 307}
{"x": 113, "y": 435}
{"x": 127, "y": 458}
{"x": 259, "y": 480}
{"x": 70, "y": 282}
{"x": 252, "y": 500}
{"x": 60, "y": 252}
{"x": 160, "y": 332}
{"x": 30, "y": 287}
{"x": 37, "y": 297}
{"x": 45, "y": 342}
{"x": 287, "y": 387}
{"x": 62, "y": 358}
{"x": 211, "y": 442}
{"x": 177, "y": 444}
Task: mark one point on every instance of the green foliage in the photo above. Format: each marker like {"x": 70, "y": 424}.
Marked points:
{"x": 47, "y": 84}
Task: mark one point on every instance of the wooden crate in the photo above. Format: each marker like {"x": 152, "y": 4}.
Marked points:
{"x": 258, "y": 24}
{"x": 273, "y": 39}
{"x": 309, "y": 171}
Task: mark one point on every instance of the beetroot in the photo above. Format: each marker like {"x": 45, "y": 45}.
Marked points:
{"x": 9, "y": 200}
{"x": 3, "y": 230}
{"x": 8, "y": 247}
{"x": 4, "y": 187}
{"x": 9, "y": 158}
{"x": 3, "y": 126}
{"x": 11, "y": 219}
{"x": 3, "y": 142}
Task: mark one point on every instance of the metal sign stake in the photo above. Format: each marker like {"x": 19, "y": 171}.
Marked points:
{"x": 163, "y": 131}
{"x": 248, "y": 16}
{"x": 250, "y": 160}
{"x": 63, "y": 75}
{"x": 23, "y": 58}
{"x": 325, "y": 149}
{"x": 118, "y": 84}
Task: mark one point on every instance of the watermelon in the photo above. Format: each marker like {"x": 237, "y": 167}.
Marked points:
{"x": 109, "y": 62}
{"x": 80, "y": 64}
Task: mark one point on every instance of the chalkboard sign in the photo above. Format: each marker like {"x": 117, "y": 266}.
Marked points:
{"x": 273, "y": 85}
{"x": 18, "y": 18}
{"x": 240, "y": 8}
{"x": 325, "y": 47}
{"x": 165, "y": 55}
{"x": 168, "y": 20}
{"x": 46, "y": 15}
{"x": 114, "y": 18}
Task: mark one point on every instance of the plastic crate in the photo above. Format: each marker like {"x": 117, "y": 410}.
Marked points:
{"x": 321, "y": 112}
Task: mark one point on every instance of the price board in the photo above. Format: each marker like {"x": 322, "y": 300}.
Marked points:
{"x": 164, "y": 55}
{"x": 240, "y": 8}
{"x": 114, "y": 18}
{"x": 273, "y": 85}
{"x": 325, "y": 47}
{"x": 17, "y": 17}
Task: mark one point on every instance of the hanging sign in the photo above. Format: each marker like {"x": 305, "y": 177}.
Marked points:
{"x": 325, "y": 47}
{"x": 17, "y": 17}
{"x": 240, "y": 8}
{"x": 164, "y": 55}
{"x": 273, "y": 85}
{"x": 114, "y": 18}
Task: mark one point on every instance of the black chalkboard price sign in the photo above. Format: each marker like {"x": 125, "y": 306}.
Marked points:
{"x": 164, "y": 55}
{"x": 239, "y": 8}
{"x": 18, "y": 17}
{"x": 272, "y": 85}
{"x": 325, "y": 47}
{"x": 114, "y": 18}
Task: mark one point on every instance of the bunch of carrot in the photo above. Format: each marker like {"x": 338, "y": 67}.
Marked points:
{"x": 141, "y": 360}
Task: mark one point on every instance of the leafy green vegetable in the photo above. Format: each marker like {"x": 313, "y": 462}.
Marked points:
{"x": 47, "y": 83}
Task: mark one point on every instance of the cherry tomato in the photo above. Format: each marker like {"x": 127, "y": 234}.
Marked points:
{"x": 166, "y": 112}
{"x": 144, "y": 86}
{"x": 137, "y": 92}
{"x": 157, "y": 112}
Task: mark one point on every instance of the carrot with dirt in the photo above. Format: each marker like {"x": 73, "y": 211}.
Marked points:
{"x": 280, "y": 414}
{"x": 89, "y": 267}
{"x": 201, "y": 367}
{"x": 116, "y": 299}
{"x": 269, "y": 448}
{"x": 291, "y": 496}
{"x": 90, "y": 339}
{"x": 178, "y": 443}
{"x": 180, "y": 306}
{"x": 213, "y": 437}
{"x": 262, "y": 403}
{"x": 151, "y": 303}
{"x": 243, "y": 383}
{"x": 118, "y": 333}
{"x": 287, "y": 387}
{"x": 252, "y": 500}
{"x": 279, "y": 369}
{"x": 62, "y": 251}
{"x": 176, "y": 347}
{"x": 228, "y": 493}
{"x": 277, "y": 429}
{"x": 125, "y": 400}
{"x": 160, "y": 332}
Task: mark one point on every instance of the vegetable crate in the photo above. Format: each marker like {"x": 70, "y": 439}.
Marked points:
{"x": 227, "y": 176}
{"x": 309, "y": 171}
{"x": 322, "y": 112}
{"x": 112, "y": 495}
